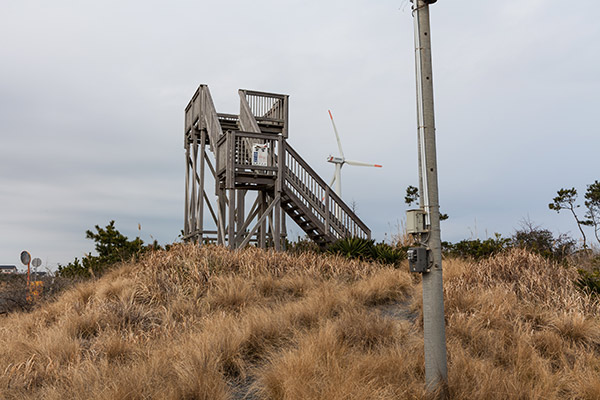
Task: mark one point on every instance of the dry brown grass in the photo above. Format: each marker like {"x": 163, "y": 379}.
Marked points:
{"x": 206, "y": 323}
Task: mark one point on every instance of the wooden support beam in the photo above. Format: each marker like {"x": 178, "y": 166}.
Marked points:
{"x": 260, "y": 221}
{"x": 200, "y": 224}
{"x": 253, "y": 213}
{"x": 194, "y": 182}
{"x": 231, "y": 222}
{"x": 327, "y": 212}
{"x": 230, "y": 187}
{"x": 278, "y": 192}
{"x": 222, "y": 209}
{"x": 186, "y": 214}
{"x": 210, "y": 208}
{"x": 241, "y": 209}
{"x": 262, "y": 231}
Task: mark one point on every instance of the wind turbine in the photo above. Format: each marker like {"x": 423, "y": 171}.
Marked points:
{"x": 340, "y": 161}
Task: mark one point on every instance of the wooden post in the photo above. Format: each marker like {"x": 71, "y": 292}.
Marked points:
{"x": 278, "y": 190}
{"x": 241, "y": 212}
{"x": 283, "y": 230}
{"x": 194, "y": 182}
{"x": 231, "y": 222}
{"x": 186, "y": 214}
{"x": 221, "y": 214}
{"x": 327, "y": 216}
{"x": 262, "y": 229}
{"x": 230, "y": 186}
{"x": 200, "y": 224}
{"x": 222, "y": 208}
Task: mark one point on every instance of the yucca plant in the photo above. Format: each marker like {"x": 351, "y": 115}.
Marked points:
{"x": 352, "y": 247}
{"x": 388, "y": 254}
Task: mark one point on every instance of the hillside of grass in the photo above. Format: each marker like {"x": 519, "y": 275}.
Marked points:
{"x": 207, "y": 323}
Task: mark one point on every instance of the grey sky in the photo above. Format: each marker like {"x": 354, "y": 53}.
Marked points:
{"x": 92, "y": 97}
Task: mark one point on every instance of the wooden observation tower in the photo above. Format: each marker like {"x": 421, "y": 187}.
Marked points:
{"x": 258, "y": 178}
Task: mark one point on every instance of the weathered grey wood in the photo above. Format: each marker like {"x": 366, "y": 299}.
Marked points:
{"x": 272, "y": 236}
{"x": 211, "y": 119}
{"x": 221, "y": 216}
{"x": 254, "y": 135}
{"x": 229, "y": 185}
{"x": 253, "y": 213}
{"x": 194, "y": 181}
{"x": 247, "y": 121}
{"x": 240, "y": 210}
{"x": 262, "y": 231}
{"x": 278, "y": 192}
{"x": 286, "y": 117}
{"x": 256, "y": 167}
{"x": 283, "y": 230}
{"x": 231, "y": 223}
{"x": 210, "y": 208}
{"x": 186, "y": 216}
{"x": 327, "y": 214}
{"x": 201, "y": 195}
{"x": 210, "y": 166}
{"x": 260, "y": 221}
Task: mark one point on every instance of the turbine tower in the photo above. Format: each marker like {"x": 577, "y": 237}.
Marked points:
{"x": 340, "y": 161}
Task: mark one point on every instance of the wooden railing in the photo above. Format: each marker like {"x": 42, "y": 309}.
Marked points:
{"x": 324, "y": 204}
{"x": 264, "y": 108}
{"x": 236, "y": 150}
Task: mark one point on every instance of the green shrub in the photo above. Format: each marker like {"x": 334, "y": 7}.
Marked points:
{"x": 589, "y": 281}
{"x": 543, "y": 242}
{"x": 112, "y": 247}
{"x": 477, "y": 249}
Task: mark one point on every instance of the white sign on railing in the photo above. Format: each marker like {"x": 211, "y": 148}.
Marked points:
{"x": 260, "y": 153}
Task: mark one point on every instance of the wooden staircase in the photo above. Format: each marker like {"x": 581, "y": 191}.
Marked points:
{"x": 311, "y": 203}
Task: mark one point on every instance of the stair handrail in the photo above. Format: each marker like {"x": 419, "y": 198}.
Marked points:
{"x": 247, "y": 118}
{"x": 211, "y": 119}
{"x": 200, "y": 113}
{"x": 348, "y": 222}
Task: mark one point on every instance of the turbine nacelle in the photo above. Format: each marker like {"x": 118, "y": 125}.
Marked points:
{"x": 335, "y": 160}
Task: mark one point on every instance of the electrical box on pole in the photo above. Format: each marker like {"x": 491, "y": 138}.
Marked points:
{"x": 418, "y": 259}
{"x": 415, "y": 222}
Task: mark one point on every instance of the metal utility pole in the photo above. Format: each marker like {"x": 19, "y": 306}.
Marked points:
{"x": 436, "y": 369}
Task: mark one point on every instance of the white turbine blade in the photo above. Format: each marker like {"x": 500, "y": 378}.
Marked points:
{"x": 362, "y": 164}
{"x": 330, "y": 184}
{"x": 337, "y": 136}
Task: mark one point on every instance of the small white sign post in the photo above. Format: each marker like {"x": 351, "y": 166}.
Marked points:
{"x": 26, "y": 260}
{"x": 36, "y": 262}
